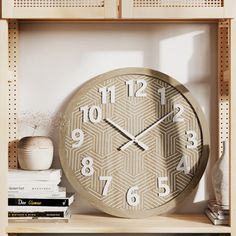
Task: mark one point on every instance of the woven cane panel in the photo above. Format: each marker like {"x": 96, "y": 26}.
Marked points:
{"x": 132, "y": 167}
{"x": 224, "y": 81}
{"x": 58, "y": 3}
{"x": 178, "y": 3}
{"x": 12, "y": 94}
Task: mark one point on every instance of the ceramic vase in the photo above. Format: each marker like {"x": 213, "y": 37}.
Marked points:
{"x": 35, "y": 153}
{"x": 220, "y": 177}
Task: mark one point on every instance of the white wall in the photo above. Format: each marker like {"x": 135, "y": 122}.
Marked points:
{"x": 55, "y": 59}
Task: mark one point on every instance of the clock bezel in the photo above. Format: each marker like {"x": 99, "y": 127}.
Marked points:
{"x": 83, "y": 89}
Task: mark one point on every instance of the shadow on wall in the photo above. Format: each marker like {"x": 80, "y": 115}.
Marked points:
{"x": 207, "y": 87}
{"x": 111, "y": 46}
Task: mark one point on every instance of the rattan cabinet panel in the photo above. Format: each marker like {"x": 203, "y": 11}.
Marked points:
{"x": 59, "y": 9}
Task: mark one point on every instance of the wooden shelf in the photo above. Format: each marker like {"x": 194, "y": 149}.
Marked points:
{"x": 108, "y": 9}
{"x": 102, "y": 223}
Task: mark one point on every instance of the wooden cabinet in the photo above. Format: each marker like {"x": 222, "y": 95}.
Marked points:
{"x": 112, "y": 9}
{"x": 59, "y": 9}
{"x": 177, "y": 9}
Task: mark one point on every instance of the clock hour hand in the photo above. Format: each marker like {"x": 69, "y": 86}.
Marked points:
{"x": 146, "y": 131}
{"x": 127, "y": 134}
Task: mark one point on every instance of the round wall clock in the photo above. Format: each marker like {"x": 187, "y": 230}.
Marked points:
{"x": 134, "y": 143}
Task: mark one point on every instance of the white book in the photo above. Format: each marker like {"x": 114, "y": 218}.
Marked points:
{"x": 61, "y": 193}
{"x": 35, "y": 209}
{"x": 43, "y": 175}
{"x": 34, "y": 188}
{"x": 39, "y": 220}
{"x": 33, "y": 183}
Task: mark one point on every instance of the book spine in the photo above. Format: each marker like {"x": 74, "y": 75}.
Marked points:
{"x": 38, "y": 220}
{"x": 52, "y": 174}
{"x": 219, "y": 216}
{"x": 34, "y": 182}
{"x": 49, "y": 195}
{"x": 217, "y": 210}
{"x": 60, "y": 193}
{"x": 29, "y": 188}
{"x": 214, "y": 219}
{"x": 50, "y": 214}
{"x": 216, "y": 207}
{"x": 35, "y": 209}
{"x": 38, "y": 202}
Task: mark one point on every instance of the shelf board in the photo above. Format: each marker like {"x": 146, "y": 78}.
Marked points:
{"x": 102, "y": 223}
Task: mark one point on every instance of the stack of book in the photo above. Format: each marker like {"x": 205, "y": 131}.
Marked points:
{"x": 35, "y": 195}
{"x": 219, "y": 215}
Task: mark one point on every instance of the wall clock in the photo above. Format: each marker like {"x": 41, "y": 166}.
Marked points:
{"x": 134, "y": 143}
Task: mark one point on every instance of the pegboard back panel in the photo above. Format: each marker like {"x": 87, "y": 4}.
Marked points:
{"x": 59, "y": 9}
{"x": 177, "y": 9}
{"x": 224, "y": 72}
{"x": 178, "y": 3}
{"x": 12, "y": 93}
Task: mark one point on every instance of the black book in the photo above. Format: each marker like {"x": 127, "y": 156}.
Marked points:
{"x": 49, "y": 202}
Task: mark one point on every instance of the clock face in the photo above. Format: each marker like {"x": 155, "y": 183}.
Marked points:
{"x": 135, "y": 142}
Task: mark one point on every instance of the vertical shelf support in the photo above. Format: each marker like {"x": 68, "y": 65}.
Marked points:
{"x": 12, "y": 93}
{"x": 3, "y": 123}
{"x": 226, "y": 99}
{"x": 233, "y": 129}
{"x": 223, "y": 81}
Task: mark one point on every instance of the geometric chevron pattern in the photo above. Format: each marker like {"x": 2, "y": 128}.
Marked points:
{"x": 134, "y": 166}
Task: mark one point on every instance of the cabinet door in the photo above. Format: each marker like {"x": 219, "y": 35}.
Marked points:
{"x": 59, "y": 9}
{"x": 177, "y": 9}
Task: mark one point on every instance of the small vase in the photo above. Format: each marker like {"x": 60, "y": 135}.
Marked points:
{"x": 220, "y": 177}
{"x": 35, "y": 153}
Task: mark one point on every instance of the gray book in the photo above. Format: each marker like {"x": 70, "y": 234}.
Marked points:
{"x": 218, "y": 208}
{"x": 214, "y": 219}
{"x": 221, "y": 212}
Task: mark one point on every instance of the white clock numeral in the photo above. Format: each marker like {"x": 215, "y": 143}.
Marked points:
{"x": 177, "y": 117}
{"x": 87, "y": 166}
{"x": 192, "y": 139}
{"x": 140, "y": 92}
{"x": 77, "y": 135}
{"x": 162, "y": 184}
{"x": 104, "y": 91}
{"x": 130, "y": 84}
{"x": 93, "y": 113}
{"x": 132, "y": 197}
{"x": 85, "y": 111}
{"x": 162, "y": 91}
{"x": 108, "y": 180}
{"x": 183, "y": 165}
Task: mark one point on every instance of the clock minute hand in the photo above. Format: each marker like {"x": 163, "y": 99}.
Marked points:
{"x": 127, "y": 134}
{"x": 146, "y": 130}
